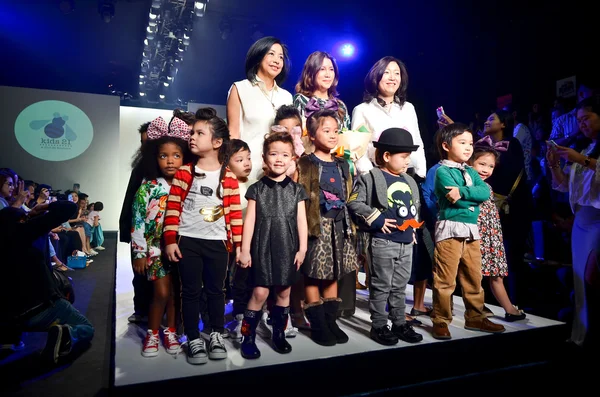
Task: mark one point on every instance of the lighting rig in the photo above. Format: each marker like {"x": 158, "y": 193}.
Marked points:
{"x": 168, "y": 35}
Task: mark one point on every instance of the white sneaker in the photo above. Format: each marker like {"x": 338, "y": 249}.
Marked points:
{"x": 93, "y": 252}
{"x": 216, "y": 347}
{"x": 99, "y": 248}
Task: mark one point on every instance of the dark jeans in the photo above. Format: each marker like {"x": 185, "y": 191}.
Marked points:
{"x": 203, "y": 266}
{"x": 61, "y": 312}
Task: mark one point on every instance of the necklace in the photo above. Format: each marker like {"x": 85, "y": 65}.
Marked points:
{"x": 267, "y": 96}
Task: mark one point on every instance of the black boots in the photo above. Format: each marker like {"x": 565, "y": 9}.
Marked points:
{"x": 279, "y": 315}
{"x": 330, "y": 307}
{"x": 319, "y": 330}
{"x": 249, "y": 349}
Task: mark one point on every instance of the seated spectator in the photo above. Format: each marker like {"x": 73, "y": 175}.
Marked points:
{"x": 30, "y": 299}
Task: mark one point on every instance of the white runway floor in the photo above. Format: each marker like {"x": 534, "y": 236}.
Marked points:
{"x": 132, "y": 368}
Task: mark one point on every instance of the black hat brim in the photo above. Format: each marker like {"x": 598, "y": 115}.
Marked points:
{"x": 394, "y": 148}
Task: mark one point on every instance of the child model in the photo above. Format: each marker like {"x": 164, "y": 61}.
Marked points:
{"x": 386, "y": 200}
{"x": 460, "y": 191}
{"x": 493, "y": 256}
{"x": 331, "y": 247}
{"x": 202, "y": 225}
{"x": 274, "y": 241}
{"x": 159, "y": 159}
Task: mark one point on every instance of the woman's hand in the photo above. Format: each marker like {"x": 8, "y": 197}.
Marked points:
{"x": 173, "y": 252}
{"x": 139, "y": 265}
{"x": 552, "y": 155}
{"x": 569, "y": 154}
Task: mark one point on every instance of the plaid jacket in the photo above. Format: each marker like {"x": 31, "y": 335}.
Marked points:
{"x": 232, "y": 208}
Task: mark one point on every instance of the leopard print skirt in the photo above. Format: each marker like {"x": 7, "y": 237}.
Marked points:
{"x": 332, "y": 255}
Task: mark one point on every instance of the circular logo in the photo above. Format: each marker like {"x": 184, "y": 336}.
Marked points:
{"x": 54, "y": 130}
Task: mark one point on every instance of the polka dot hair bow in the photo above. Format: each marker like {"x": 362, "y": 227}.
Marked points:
{"x": 177, "y": 128}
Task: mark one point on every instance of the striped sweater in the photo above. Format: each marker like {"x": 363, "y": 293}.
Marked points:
{"x": 182, "y": 182}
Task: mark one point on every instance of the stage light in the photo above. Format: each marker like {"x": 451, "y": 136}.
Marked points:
{"x": 141, "y": 83}
{"x": 200, "y": 8}
{"x": 162, "y": 96}
{"x": 347, "y": 50}
{"x": 166, "y": 84}
{"x": 152, "y": 15}
{"x": 142, "y": 76}
{"x": 142, "y": 94}
{"x": 145, "y": 42}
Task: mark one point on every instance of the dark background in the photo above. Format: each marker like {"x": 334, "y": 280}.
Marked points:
{"x": 460, "y": 54}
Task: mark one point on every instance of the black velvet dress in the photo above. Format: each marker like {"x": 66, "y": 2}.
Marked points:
{"x": 275, "y": 239}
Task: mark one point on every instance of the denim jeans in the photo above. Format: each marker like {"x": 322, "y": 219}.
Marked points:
{"x": 61, "y": 312}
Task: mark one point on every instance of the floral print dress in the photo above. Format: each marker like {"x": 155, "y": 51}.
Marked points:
{"x": 149, "y": 206}
{"x": 493, "y": 257}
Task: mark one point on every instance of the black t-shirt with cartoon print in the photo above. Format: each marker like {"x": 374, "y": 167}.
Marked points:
{"x": 400, "y": 207}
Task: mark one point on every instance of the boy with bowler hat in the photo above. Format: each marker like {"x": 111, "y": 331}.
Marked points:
{"x": 385, "y": 203}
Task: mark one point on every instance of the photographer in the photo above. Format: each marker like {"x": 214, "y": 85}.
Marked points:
{"x": 30, "y": 300}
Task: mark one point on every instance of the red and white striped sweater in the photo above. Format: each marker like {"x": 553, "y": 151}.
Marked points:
{"x": 232, "y": 208}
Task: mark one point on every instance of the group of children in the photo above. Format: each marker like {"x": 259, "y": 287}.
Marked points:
{"x": 197, "y": 210}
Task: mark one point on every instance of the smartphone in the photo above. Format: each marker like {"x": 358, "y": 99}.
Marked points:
{"x": 440, "y": 112}
{"x": 552, "y": 144}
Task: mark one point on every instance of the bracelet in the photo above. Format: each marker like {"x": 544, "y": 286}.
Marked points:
{"x": 586, "y": 162}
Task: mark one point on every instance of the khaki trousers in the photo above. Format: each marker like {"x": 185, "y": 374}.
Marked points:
{"x": 457, "y": 256}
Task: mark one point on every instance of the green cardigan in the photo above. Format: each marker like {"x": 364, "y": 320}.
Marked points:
{"x": 465, "y": 210}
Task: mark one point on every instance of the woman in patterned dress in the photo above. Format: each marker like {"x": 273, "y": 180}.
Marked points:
{"x": 493, "y": 257}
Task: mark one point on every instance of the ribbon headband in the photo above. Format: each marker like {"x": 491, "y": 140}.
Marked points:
{"x": 160, "y": 128}
{"x": 314, "y": 106}
{"x": 296, "y": 134}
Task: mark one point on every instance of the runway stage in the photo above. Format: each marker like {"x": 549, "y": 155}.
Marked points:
{"x": 357, "y": 366}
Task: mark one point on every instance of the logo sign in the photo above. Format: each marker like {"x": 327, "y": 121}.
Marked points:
{"x": 566, "y": 88}
{"x": 54, "y": 130}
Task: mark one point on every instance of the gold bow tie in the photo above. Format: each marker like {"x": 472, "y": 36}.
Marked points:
{"x": 212, "y": 214}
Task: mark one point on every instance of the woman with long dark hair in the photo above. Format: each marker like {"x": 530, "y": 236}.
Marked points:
{"x": 581, "y": 178}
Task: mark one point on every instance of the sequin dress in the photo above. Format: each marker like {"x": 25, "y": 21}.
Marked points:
{"x": 275, "y": 239}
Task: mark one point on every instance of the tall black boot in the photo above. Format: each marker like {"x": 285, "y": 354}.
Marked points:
{"x": 279, "y": 315}
{"x": 319, "y": 331}
{"x": 249, "y": 349}
{"x": 330, "y": 307}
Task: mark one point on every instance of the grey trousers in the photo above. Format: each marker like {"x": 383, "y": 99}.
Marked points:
{"x": 391, "y": 264}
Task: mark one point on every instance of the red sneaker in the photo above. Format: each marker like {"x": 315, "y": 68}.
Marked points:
{"x": 171, "y": 341}
{"x": 150, "y": 348}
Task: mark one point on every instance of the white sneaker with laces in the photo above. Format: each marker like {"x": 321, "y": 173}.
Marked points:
{"x": 216, "y": 347}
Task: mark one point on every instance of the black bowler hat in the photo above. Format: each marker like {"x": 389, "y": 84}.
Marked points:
{"x": 396, "y": 140}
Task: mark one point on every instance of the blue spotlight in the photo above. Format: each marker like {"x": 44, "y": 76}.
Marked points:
{"x": 347, "y": 50}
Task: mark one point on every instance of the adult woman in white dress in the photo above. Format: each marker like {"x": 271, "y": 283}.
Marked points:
{"x": 252, "y": 103}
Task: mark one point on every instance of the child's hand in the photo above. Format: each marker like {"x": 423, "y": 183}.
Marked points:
{"x": 389, "y": 224}
{"x": 453, "y": 195}
{"x": 139, "y": 265}
{"x": 244, "y": 259}
{"x": 415, "y": 237}
{"x": 173, "y": 252}
{"x": 299, "y": 259}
